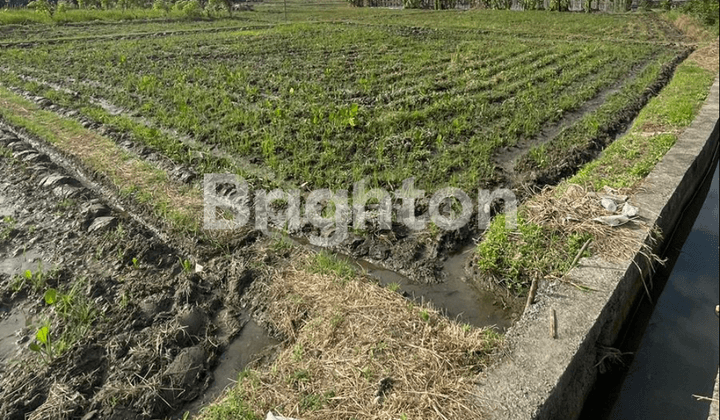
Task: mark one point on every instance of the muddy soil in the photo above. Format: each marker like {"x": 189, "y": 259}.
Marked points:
{"x": 159, "y": 328}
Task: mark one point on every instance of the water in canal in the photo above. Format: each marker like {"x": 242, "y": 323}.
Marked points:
{"x": 674, "y": 343}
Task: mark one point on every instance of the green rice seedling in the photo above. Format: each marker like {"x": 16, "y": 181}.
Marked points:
{"x": 187, "y": 265}
{"x": 76, "y": 314}
{"x": 36, "y": 280}
{"x": 124, "y": 299}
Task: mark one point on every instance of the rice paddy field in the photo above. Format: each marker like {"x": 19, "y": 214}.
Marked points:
{"x": 116, "y": 303}
{"x": 385, "y": 96}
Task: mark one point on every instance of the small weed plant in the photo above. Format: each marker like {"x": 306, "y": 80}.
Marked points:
{"x": 75, "y": 315}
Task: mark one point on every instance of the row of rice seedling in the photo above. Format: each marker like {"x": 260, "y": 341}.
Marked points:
{"x": 329, "y": 104}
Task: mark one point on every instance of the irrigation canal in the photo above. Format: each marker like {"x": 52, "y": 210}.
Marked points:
{"x": 671, "y": 348}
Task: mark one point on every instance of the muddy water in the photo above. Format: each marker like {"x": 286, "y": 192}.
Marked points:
{"x": 6, "y": 208}
{"x": 454, "y": 296}
{"x": 250, "y": 342}
{"x": 13, "y": 317}
{"x": 21, "y": 260}
{"x": 11, "y": 322}
{"x": 457, "y": 298}
{"x": 24, "y": 260}
{"x": 674, "y": 343}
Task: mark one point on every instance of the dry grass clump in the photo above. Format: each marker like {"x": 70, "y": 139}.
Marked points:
{"x": 61, "y": 404}
{"x": 707, "y": 57}
{"x": 356, "y": 350}
{"x": 693, "y": 30}
{"x": 573, "y": 210}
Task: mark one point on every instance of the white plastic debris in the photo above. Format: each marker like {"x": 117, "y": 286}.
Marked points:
{"x": 271, "y": 416}
{"x": 569, "y": 218}
{"x": 612, "y": 193}
{"x": 609, "y": 205}
{"x": 198, "y": 268}
{"x": 615, "y": 220}
{"x": 629, "y": 210}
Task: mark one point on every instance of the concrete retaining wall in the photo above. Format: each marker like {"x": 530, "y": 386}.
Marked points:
{"x": 714, "y": 414}
{"x": 540, "y": 377}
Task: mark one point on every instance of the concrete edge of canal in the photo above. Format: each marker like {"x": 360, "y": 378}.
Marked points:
{"x": 541, "y": 377}
{"x": 714, "y": 413}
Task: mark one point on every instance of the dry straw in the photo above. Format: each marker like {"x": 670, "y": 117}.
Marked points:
{"x": 573, "y": 210}
{"x": 356, "y": 350}
{"x": 61, "y": 404}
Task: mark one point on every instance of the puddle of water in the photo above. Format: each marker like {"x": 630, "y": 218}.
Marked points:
{"x": 454, "y": 296}
{"x": 457, "y": 298}
{"x": 28, "y": 260}
{"x": 6, "y": 208}
{"x": 241, "y": 351}
{"x": 10, "y": 324}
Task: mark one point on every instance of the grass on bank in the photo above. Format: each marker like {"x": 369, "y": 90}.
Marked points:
{"x": 515, "y": 258}
{"x": 358, "y": 351}
{"x": 656, "y": 129}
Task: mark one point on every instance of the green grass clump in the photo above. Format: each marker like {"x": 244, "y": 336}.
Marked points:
{"x": 706, "y": 11}
{"x": 236, "y": 404}
{"x": 515, "y": 257}
{"x": 325, "y": 262}
{"x": 679, "y": 102}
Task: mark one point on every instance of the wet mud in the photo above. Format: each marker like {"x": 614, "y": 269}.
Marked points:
{"x": 457, "y": 295}
{"x": 158, "y": 329}
{"x": 12, "y": 323}
{"x": 251, "y": 342}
